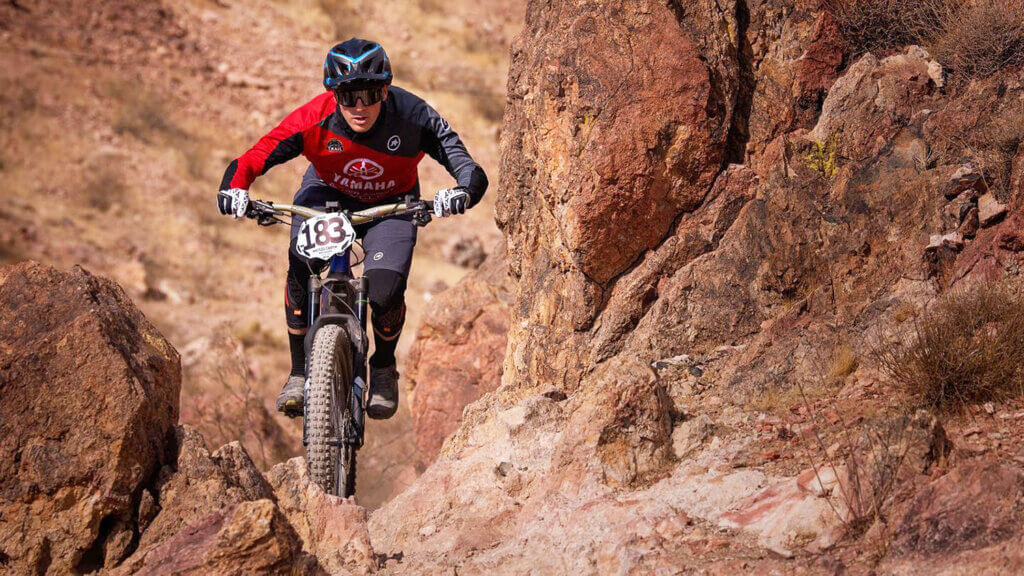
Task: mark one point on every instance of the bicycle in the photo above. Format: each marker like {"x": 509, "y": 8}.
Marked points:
{"x": 337, "y": 345}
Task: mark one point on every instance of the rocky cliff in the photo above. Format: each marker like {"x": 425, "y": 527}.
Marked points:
{"x": 714, "y": 214}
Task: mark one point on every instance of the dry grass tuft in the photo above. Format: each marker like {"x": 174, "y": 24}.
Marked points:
{"x": 973, "y": 39}
{"x": 884, "y": 25}
{"x": 968, "y": 348}
{"x": 844, "y": 363}
{"x": 980, "y": 38}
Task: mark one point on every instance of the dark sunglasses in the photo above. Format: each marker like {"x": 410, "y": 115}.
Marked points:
{"x": 369, "y": 96}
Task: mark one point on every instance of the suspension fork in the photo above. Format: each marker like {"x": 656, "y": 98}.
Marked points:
{"x": 315, "y": 290}
{"x": 362, "y": 290}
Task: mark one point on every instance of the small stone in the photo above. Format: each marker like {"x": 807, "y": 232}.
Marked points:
{"x": 147, "y": 509}
{"x": 990, "y": 210}
{"x": 990, "y": 408}
{"x": 691, "y": 435}
{"x": 953, "y": 240}
{"x": 427, "y": 530}
{"x": 966, "y": 177}
{"x": 970, "y": 223}
{"x": 503, "y": 469}
{"x": 936, "y": 74}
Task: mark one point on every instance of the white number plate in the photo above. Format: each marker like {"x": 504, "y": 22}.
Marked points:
{"x": 324, "y": 236}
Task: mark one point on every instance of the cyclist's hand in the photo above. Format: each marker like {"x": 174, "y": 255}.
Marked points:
{"x": 234, "y": 201}
{"x": 451, "y": 201}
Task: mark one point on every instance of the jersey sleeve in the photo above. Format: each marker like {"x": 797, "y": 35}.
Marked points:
{"x": 444, "y": 145}
{"x": 279, "y": 145}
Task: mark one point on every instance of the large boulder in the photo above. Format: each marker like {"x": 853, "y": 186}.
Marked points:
{"x": 617, "y": 123}
{"x": 248, "y": 538}
{"x": 231, "y": 519}
{"x": 331, "y": 528}
{"x": 88, "y": 403}
{"x": 201, "y": 482}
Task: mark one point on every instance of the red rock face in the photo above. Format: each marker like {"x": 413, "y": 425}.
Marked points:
{"x": 457, "y": 355}
{"x": 89, "y": 404}
{"x": 974, "y": 506}
{"x": 613, "y": 139}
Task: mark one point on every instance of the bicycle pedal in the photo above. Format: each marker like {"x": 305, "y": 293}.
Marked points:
{"x": 293, "y": 409}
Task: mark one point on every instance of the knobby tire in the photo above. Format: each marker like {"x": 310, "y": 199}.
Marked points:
{"x": 330, "y": 379}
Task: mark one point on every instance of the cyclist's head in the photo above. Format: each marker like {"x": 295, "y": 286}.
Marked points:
{"x": 359, "y": 72}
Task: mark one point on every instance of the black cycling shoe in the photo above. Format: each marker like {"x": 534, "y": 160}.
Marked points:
{"x": 383, "y": 392}
{"x": 291, "y": 398}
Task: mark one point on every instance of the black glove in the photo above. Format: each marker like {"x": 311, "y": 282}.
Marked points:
{"x": 233, "y": 202}
{"x": 451, "y": 201}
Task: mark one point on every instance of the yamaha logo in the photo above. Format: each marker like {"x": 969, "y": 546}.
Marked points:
{"x": 334, "y": 145}
{"x": 363, "y": 168}
{"x": 394, "y": 142}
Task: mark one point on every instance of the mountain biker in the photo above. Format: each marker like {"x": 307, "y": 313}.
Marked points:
{"x": 364, "y": 139}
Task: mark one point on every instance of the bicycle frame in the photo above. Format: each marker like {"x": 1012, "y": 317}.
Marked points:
{"x": 339, "y": 274}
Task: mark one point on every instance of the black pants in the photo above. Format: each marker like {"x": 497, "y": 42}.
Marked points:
{"x": 388, "y": 246}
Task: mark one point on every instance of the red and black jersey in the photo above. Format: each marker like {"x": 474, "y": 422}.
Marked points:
{"x": 371, "y": 166}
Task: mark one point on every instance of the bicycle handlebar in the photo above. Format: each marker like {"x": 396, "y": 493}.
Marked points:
{"x": 260, "y": 208}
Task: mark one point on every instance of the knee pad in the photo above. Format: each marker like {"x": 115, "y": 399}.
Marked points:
{"x": 387, "y": 290}
{"x": 296, "y": 295}
{"x": 387, "y": 300}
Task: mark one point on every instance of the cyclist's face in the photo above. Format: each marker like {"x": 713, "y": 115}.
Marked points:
{"x": 360, "y": 117}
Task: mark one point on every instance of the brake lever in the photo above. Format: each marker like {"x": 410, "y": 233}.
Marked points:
{"x": 421, "y": 215}
{"x": 267, "y": 219}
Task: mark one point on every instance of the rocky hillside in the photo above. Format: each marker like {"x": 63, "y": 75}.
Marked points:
{"x": 727, "y": 226}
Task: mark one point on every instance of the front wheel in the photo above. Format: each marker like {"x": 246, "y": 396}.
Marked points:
{"x": 330, "y": 458}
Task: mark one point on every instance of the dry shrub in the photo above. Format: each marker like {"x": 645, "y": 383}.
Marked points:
{"x": 844, "y": 362}
{"x": 139, "y": 112}
{"x": 981, "y": 37}
{"x": 105, "y": 187}
{"x": 974, "y": 38}
{"x": 968, "y": 348}
{"x": 883, "y": 25}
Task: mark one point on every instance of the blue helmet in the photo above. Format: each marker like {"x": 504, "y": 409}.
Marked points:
{"x": 355, "y": 64}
